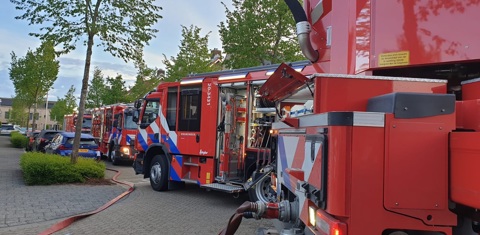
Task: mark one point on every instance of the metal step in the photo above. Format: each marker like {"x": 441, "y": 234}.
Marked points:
{"x": 228, "y": 188}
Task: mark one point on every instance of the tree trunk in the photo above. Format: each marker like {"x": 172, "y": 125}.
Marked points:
{"x": 33, "y": 116}
{"x": 28, "y": 117}
{"x": 83, "y": 95}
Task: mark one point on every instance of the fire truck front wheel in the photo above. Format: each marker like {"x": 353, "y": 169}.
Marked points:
{"x": 159, "y": 173}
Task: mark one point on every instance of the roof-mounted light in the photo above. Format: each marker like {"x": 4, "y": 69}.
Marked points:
{"x": 297, "y": 68}
{"x": 232, "y": 76}
{"x": 191, "y": 81}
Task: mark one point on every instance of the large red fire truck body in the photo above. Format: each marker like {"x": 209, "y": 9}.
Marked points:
{"x": 391, "y": 147}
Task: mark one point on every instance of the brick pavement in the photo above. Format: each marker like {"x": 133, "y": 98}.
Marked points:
{"x": 32, "y": 209}
{"x": 191, "y": 210}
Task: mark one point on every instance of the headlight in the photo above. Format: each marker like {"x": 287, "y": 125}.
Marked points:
{"x": 125, "y": 150}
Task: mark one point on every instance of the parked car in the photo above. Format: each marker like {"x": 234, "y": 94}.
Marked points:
{"x": 31, "y": 139}
{"x": 43, "y": 138}
{"x": 62, "y": 144}
{"x": 6, "y": 129}
{"x": 21, "y": 130}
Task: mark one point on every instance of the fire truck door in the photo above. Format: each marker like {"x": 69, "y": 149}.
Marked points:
{"x": 189, "y": 114}
{"x": 149, "y": 124}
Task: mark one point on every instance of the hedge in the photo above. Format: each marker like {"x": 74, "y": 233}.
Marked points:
{"x": 45, "y": 169}
{"x": 18, "y": 140}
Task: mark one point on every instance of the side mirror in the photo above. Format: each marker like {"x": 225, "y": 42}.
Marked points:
{"x": 138, "y": 103}
{"x": 136, "y": 116}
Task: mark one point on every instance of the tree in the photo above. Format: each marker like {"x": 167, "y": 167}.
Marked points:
{"x": 123, "y": 27}
{"x": 18, "y": 114}
{"x": 147, "y": 80}
{"x": 194, "y": 56}
{"x": 33, "y": 75}
{"x": 116, "y": 90}
{"x": 64, "y": 106}
{"x": 258, "y": 33}
{"x": 96, "y": 90}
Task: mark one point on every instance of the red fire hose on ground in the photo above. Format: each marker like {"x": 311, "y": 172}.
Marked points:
{"x": 65, "y": 223}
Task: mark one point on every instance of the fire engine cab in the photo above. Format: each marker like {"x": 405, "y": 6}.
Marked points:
{"x": 70, "y": 121}
{"x": 114, "y": 128}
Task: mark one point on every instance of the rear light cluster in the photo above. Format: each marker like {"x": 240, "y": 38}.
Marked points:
{"x": 324, "y": 224}
{"x": 62, "y": 147}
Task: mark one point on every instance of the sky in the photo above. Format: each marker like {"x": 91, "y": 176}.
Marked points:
{"x": 206, "y": 14}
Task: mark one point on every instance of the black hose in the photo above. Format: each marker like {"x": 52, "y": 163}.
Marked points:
{"x": 297, "y": 10}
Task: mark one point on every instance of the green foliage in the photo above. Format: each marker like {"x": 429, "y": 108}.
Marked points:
{"x": 147, "y": 80}
{"x": 123, "y": 28}
{"x": 34, "y": 74}
{"x": 18, "y": 140}
{"x": 96, "y": 90}
{"x": 19, "y": 112}
{"x": 116, "y": 91}
{"x": 45, "y": 169}
{"x": 258, "y": 33}
{"x": 64, "y": 106}
{"x": 194, "y": 56}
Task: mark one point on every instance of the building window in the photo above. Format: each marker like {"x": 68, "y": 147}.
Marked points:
{"x": 36, "y": 116}
{"x": 7, "y": 115}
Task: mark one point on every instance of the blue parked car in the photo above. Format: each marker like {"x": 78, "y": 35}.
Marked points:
{"x": 62, "y": 144}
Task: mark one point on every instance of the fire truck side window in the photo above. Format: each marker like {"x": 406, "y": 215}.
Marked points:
{"x": 151, "y": 111}
{"x": 116, "y": 118}
{"x": 109, "y": 123}
{"x": 190, "y": 107}
{"x": 172, "y": 108}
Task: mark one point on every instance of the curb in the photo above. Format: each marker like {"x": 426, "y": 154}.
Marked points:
{"x": 66, "y": 222}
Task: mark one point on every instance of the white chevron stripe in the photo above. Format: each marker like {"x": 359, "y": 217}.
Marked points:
{"x": 308, "y": 163}
{"x": 163, "y": 122}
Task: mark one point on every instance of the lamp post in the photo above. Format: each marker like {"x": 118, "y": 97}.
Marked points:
{"x": 46, "y": 112}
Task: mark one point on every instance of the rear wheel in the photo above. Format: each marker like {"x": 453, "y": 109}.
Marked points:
{"x": 110, "y": 151}
{"x": 159, "y": 173}
{"x": 263, "y": 191}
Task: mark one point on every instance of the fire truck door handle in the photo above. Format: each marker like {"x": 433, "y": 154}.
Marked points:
{"x": 155, "y": 136}
{"x": 197, "y": 138}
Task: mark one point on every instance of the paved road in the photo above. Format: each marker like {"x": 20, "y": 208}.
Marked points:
{"x": 31, "y": 209}
{"x": 185, "y": 211}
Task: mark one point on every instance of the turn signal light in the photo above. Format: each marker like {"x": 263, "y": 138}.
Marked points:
{"x": 327, "y": 225}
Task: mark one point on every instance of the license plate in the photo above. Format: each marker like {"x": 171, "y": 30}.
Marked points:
{"x": 83, "y": 150}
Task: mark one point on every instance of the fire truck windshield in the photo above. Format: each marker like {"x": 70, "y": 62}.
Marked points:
{"x": 129, "y": 123}
{"x": 87, "y": 123}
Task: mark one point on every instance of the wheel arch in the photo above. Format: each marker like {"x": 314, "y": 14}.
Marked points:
{"x": 151, "y": 152}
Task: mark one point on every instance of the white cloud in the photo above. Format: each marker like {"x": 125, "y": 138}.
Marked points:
{"x": 14, "y": 37}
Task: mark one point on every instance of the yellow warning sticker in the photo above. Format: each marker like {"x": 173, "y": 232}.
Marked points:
{"x": 394, "y": 59}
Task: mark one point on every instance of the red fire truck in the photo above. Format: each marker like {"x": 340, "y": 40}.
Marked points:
{"x": 115, "y": 130}
{"x": 211, "y": 129}
{"x": 70, "y": 121}
{"x": 392, "y": 145}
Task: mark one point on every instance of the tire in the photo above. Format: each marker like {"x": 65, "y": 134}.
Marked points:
{"x": 159, "y": 173}
{"x": 110, "y": 150}
{"x": 114, "y": 160}
{"x": 262, "y": 191}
